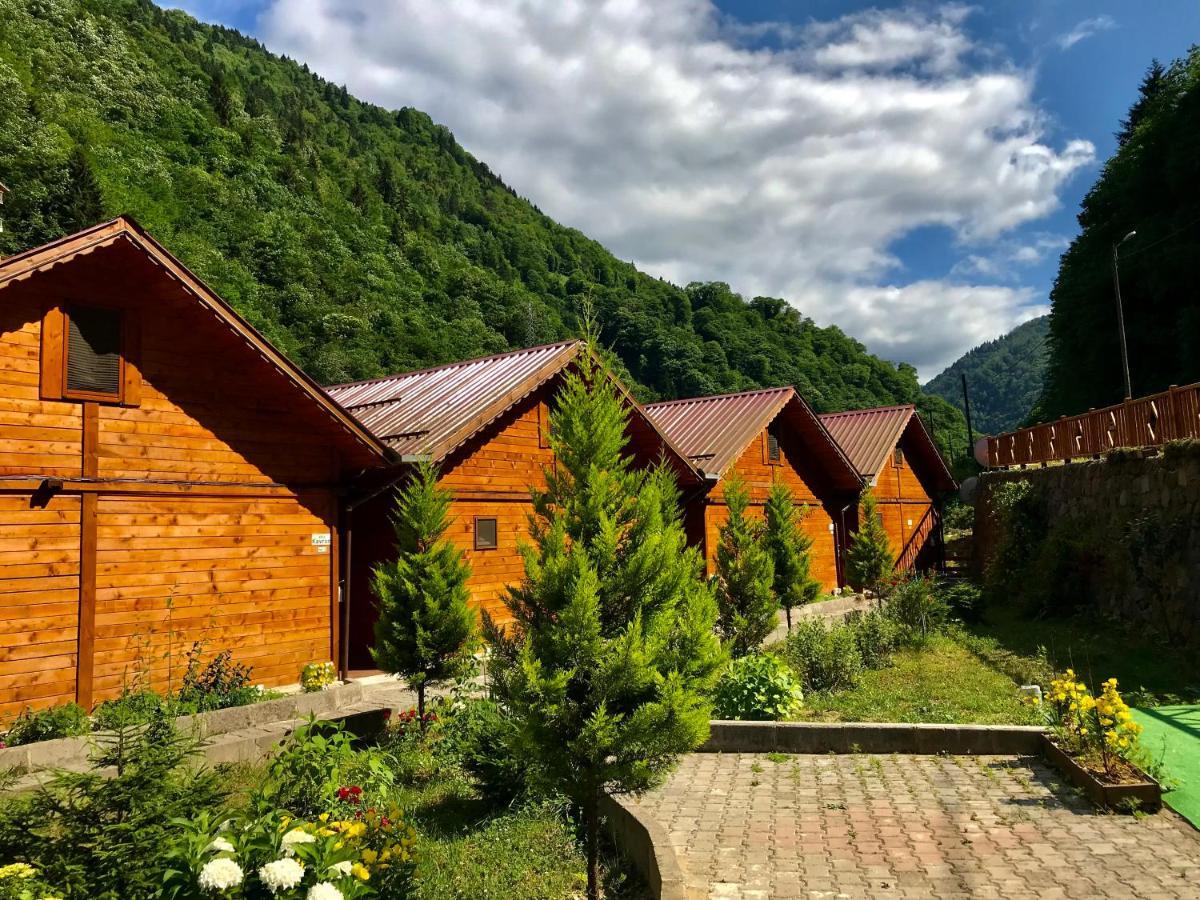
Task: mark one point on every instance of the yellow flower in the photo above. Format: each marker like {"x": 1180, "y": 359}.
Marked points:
{"x": 324, "y": 817}
{"x": 17, "y": 870}
{"x": 359, "y": 871}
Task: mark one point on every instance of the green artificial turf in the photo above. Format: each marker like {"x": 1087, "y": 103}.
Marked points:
{"x": 1172, "y": 734}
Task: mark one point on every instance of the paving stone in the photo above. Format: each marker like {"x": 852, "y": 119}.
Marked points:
{"x": 899, "y": 826}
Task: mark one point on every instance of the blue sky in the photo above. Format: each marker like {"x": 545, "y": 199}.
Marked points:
{"x": 909, "y": 172}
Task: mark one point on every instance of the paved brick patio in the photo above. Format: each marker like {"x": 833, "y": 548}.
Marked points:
{"x": 752, "y": 826}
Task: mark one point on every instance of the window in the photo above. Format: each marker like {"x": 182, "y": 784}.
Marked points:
{"x": 485, "y": 534}
{"x": 93, "y": 352}
{"x": 772, "y": 448}
{"x": 898, "y": 457}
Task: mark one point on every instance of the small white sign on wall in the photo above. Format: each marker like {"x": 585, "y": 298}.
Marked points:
{"x": 322, "y": 542}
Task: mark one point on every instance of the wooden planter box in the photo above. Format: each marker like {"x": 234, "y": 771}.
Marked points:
{"x": 1143, "y": 795}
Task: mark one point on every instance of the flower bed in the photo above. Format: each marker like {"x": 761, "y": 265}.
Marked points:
{"x": 1094, "y": 742}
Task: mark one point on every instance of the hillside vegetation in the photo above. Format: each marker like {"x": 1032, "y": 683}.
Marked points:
{"x": 1149, "y": 185}
{"x": 360, "y": 240}
{"x": 1004, "y": 377}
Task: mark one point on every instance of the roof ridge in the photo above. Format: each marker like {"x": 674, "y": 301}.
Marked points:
{"x": 869, "y": 409}
{"x": 662, "y": 403}
{"x": 450, "y": 365}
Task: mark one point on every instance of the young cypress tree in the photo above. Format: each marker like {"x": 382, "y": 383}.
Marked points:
{"x": 789, "y": 547}
{"x": 745, "y": 575}
{"x": 425, "y": 632}
{"x": 606, "y": 665}
{"x": 869, "y": 559}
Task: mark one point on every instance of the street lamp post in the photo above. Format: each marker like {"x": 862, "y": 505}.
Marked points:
{"x": 1121, "y": 314}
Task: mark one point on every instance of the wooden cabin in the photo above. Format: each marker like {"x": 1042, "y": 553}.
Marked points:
{"x": 484, "y": 423}
{"x": 166, "y": 476}
{"x": 765, "y": 437}
{"x": 894, "y": 453}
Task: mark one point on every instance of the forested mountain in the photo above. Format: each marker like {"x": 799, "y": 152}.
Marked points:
{"x": 1149, "y": 185}
{"x": 1004, "y": 377}
{"x": 360, "y": 240}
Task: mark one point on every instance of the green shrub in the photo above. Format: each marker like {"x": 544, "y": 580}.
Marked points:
{"x": 307, "y": 769}
{"x": 481, "y": 738}
{"x": 131, "y": 708}
{"x": 67, "y": 720}
{"x": 108, "y": 833}
{"x": 916, "y": 608}
{"x": 219, "y": 684}
{"x": 759, "y": 688}
{"x": 876, "y": 636}
{"x": 825, "y": 657}
{"x": 963, "y": 599}
{"x": 1181, "y": 449}
{"x": 958, "y": 516}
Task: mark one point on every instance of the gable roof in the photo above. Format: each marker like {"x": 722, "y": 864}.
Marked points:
{"x": 430, "y": 413}
{"x": 868, "y": 436}
{"x": 715, "y": 431}
{"x": 125, "y": 230}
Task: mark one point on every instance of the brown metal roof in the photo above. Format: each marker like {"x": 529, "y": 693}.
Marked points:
{"x": 123, "y": 230}
{"x": 431, "y": 412}
{"x": 715, "y": 431}
{"x": 868, "y": 436}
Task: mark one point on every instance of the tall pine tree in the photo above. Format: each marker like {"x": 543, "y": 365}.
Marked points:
{"x": 789, "y": 548}
{"x": 606, "y": 666}
{"x": 425, "y": 631}
{"x": 745, "y": 575}
{"x": 869, "y": 559}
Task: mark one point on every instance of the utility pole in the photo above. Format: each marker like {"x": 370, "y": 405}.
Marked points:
{"x": 1121, "y": 314}
{"x": 967, "y": 409}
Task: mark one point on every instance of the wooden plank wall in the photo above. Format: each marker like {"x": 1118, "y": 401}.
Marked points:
{"x": 759, "y": 475}
{"x": 188, "y": 516}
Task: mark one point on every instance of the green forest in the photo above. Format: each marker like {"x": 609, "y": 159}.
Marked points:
{"x": 1004, "y": 377}
{"x": 1148, "y": 186}
{"x": 360, "y": 240}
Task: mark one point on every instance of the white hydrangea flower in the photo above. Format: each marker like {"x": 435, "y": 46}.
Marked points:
{"x": 219, "y": 845}
{"x": 281, "y": 875}
{"x": 294, "y": 837}
{"x": 324, "y": 891}
{"x": 342, "y": 868}
{"x": 220, "y": 874}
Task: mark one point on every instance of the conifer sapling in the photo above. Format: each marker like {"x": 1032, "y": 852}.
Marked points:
{"x": 869, "y": 559}
{"x": 790, "y": 550}
{"x": 425, "y": 631}
{"x": 745, "y": 575}
{"x": 607, "y": 663}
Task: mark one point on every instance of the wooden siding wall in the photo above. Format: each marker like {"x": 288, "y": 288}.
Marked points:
{"x": 903, "y": 500}
{"x": 794, "y": 470}
{"x": 189, "y": 516}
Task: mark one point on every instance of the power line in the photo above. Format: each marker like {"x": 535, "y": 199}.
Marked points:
{"x": 1166, "y": 237}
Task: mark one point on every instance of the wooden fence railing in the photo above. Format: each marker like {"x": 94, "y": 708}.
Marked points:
{"x": 1145, "y": 422}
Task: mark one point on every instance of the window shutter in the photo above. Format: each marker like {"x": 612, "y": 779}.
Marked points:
{"x": 772, "y": 448}
{"x": 94, "y": 351}
{"x": 53, "y": 327}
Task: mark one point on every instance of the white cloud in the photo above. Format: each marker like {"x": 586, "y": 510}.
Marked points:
{"x": 785, "y": 168}
{"x": 1084, "y": 30}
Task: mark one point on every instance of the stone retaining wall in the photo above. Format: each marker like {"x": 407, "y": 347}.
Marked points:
{"x": 1132, "y": 522}
{"x": 872, "y": 737}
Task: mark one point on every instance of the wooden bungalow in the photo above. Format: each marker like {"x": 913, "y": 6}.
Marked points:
{"x": 895, "y": 455}
{"x": 765, "y": 436}
{"x": 166, "y": 476}
{"x": 484, "y": 423}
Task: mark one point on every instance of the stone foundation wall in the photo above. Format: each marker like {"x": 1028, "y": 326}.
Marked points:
{"x": 1132, "y": 522}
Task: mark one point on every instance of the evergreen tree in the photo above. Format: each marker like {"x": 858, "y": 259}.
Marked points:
{"x": 83, "y": 203}
{"x": 869, "y": 559}
{"x": 789, "y": 548}
{"x": 1152, "y": 85}
{"x": 606, "y": 665}
{"x": 426, "y": 631}
{"x": 745, "y": 575}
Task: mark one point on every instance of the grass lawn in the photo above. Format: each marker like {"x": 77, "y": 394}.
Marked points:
{"x": 1172, "y": 733}
{"x": 942, "y": 682}
{"x": 1149, "y": 673}
{"x": 467, "y": 849}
